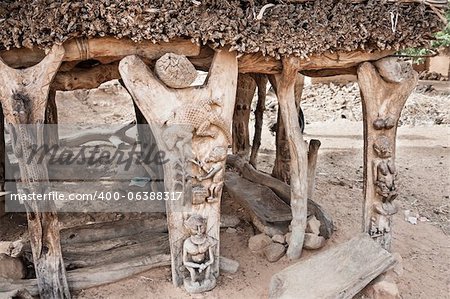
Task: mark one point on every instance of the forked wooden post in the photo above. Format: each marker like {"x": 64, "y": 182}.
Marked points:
{"x": 285, "y": 87}
{"x": 281, "y": 167}
{"x": 385, "y": 85}
{"x": 192, "y": 126}
{"x": 24, "y": 96}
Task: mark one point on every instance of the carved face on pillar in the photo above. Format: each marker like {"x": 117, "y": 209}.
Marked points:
{"x": 196, "y": 225}
{"x": 383, "y": 147}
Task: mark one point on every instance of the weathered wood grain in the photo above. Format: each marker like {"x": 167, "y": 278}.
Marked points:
{"x": 340, "y": 272}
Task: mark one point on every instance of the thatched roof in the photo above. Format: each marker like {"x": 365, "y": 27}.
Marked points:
{"x": 306, "y": 28}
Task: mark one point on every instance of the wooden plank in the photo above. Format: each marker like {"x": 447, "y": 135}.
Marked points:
{"x": 283, "y": 191}
{"x": 108, "y": 230}
{"x": 258, "y": 199}
{"x": 94, "y": 276}
{"x": 340, "y": 272}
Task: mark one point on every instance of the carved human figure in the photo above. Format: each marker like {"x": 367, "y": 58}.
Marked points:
{"x": 384, "y": 180}
{"x": 198, "y": 256}
{"x": 214, "y": 170}
{"x": 384, "y": 169}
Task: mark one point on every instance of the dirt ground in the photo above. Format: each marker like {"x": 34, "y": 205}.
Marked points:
{"x": 423, "y": 162}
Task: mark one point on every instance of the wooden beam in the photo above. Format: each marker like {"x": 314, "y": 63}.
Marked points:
{"x": 79, "y": 78}
{"x": 283, "y": 190}
{"x": 84, "y": 49}
{"x": 108, "y": 49}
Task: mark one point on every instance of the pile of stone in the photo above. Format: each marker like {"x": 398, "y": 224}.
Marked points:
{"x": 274, "y": 247}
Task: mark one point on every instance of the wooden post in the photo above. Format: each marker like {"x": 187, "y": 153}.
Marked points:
{"x": 246, "y": 88}
{"x": 2, "y": 162}
{"x": 51, "y": 119}
{"x": 282, "y": 159}
{"x": 261, "y": 82}
{"x": 24, "y": 96}
{"x": 313, "y": 153}
{"x": 285, "y": 87}
{"x": 192, "y": 127}
{"x": 385, "y": 86}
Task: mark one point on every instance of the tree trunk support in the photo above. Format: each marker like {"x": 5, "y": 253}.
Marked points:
{"x": 24, "y": 95}
{"x": 261, "y": 83}
{"x": 285, "y": 88}
{"x": 51, "y": 119}
{"x": 246, "y": 88}
{"x": 192, "y": 127}
{"x": 282, "y": 158}
{"x": 385, "y": 85}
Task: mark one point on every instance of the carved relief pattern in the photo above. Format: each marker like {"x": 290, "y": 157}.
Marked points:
{"x": 385, "y": 85}
{"x": 192, "y": 125}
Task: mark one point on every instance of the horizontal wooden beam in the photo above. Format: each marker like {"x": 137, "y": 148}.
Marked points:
{"x": 101, "y": 48}
{"x": 79, "y": 78}
{"x": 110, "y": 50}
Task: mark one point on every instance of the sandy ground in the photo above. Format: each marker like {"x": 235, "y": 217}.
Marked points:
{"x": 423, "y": 162}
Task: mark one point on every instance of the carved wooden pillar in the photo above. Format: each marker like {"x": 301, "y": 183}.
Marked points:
{"x": 385, "y": 85}
{"x": 282, "y": 159}
{"x": 285, "y": 88}
{"x": 192, "y": 126}
{"x": 23, "y": 95}
{"x": 261, "y": 83}
{"x": 246, "y": 88}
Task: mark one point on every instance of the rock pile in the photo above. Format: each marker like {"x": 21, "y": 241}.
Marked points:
{"x": 274, "y": 248}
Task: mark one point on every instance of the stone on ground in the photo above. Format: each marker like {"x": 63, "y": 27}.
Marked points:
{"x": 287, "y": 237}
{"x": 11, "y": 267}
{"x": 259, "y": 242}
{"x": 228, "y": 265}
{"x": 274, "y": 252}
{"x": 313, "y": 225}
{"x": 382, "y": 290}
{"x": 229, "y": 220}
{"x": 313, "y": 241}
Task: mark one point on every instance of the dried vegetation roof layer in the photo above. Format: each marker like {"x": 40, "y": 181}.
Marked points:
{"x": 301, "y": 29}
